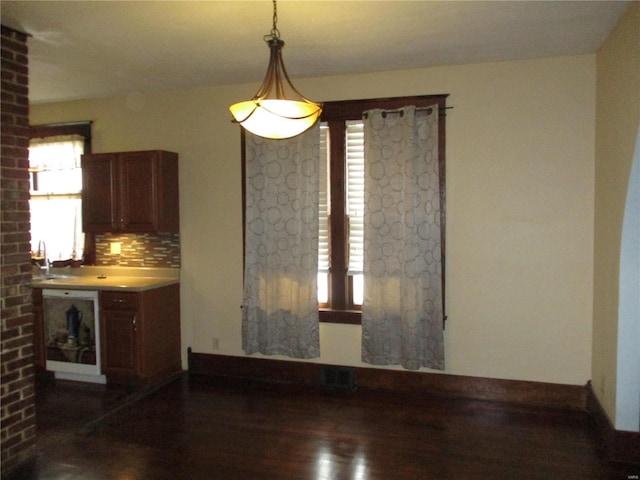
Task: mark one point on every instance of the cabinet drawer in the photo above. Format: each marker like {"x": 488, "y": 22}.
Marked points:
{"x": 119, "y": 300}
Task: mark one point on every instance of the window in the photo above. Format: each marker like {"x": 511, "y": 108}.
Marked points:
{"x": 340, "y": 280}
{"x": 341, "y": 219}
{"x": 354, "y": 205}
{"x": 340, "y": 258}
{"x": 56, "y": 188}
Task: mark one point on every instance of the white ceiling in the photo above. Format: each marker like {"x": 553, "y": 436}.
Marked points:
{"x": 84, "y": 49}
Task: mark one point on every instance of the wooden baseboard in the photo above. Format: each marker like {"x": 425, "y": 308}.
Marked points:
{"x": 303, "y": 374}
{"x": 617, "y": 445}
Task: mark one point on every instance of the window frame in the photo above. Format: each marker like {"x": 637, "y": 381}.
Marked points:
{"x": 336, "y": 114}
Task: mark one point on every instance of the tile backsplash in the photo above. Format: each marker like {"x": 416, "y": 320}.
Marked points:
{"x": 139, "y": 250}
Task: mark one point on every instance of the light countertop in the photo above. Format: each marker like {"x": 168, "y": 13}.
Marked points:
{"x": 134, "y": 279}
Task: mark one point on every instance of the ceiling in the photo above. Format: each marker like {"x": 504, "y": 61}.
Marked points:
{"x": 85, "y": 49}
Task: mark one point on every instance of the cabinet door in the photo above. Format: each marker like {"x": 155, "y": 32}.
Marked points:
{"x": 99, "y": 208}
{"x": 119, "y": 345}
{"x": 139, "y": 191}
{"x": 132, "y": 192}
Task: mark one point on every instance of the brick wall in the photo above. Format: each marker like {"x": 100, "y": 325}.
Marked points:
{"x": 17, "y": 431}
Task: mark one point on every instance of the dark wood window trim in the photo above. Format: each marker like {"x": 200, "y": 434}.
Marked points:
{"x": 336, "y": 114}
{"x": 76, "y": 128}
{"x": 53, "y": 130}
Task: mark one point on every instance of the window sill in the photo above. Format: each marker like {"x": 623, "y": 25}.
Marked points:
{"x": 349, "y": 317}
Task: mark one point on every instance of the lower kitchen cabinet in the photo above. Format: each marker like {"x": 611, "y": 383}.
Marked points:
{"x": 118, "y": 335}
{"x": 140, "y": 334}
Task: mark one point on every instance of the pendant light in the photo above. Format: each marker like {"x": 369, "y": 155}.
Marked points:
{"x": 277, "y": 110}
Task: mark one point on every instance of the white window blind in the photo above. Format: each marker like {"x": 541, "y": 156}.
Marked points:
{"x": 354, "y": 188}
{"x": 323, "y": 217}
{"x": 355, "y": 194}
{"x": 323, "y": 238}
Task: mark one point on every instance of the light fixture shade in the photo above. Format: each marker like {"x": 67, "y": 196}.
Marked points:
{"x": 277, "y": 110}
{"x": 276, "y": 118}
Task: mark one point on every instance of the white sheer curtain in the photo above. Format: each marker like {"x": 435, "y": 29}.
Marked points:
{"x": 56, "y": 204}
{"x": 402, "y": 311}
{"x": 280, "y": 306}
{"x": 61, "y": 152}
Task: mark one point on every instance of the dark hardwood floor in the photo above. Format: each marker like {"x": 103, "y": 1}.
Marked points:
{"x": 190, "y": 430}
{"x": 65, "y": 407}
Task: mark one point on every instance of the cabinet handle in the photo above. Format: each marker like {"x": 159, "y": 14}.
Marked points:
{"x": 118, "y": 300}
{"x": 135, "y": 323}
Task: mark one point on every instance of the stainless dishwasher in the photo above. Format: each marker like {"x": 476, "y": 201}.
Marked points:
{"x": 72, "y": 334}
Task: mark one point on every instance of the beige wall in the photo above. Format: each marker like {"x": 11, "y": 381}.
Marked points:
{"x": 520, "y": 153}
{"x": 618, "y": 123}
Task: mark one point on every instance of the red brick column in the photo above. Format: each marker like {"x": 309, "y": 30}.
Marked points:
{"x": 17, "y": 431}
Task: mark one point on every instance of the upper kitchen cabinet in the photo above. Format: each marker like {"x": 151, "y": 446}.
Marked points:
{"x": 130, "y": 192}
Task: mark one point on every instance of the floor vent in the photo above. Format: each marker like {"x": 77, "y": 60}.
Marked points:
{"x": 339, "y": 379}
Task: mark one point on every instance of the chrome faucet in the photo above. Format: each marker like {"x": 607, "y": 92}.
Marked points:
{"x": 42, "y": 252}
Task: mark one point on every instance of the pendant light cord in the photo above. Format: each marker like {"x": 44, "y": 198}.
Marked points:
{"x": 275, "y": 33}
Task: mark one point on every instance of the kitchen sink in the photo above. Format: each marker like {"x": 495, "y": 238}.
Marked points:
{"x": 50, "y": 276}
{"x": 55, "y": 275}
